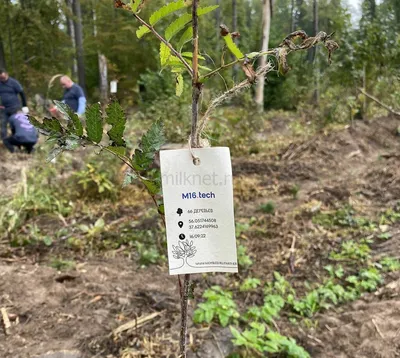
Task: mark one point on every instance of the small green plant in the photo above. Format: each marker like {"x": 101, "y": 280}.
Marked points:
{"x": 367, "y": 280}
{"x": 240, "y": 228}
{"x": 268, "y": 208}
{"x": 385, "y": 236}
{"x": 280, "y": 286}
{"x": 390, "y": 264}
{"x": 390, "y": 216}
{"x": 273, "y": 304}
{"x": 351, "y": 250}
{"x": 32, "y": 237}
{"x": 93, "y": 230}
{"x": 335, "y": 271}
{"x": 62, "y": 265}
{"x": 294, "y": 190}
{"x": 344, "y": 217}
{"x": 244, "y": 260}
{"x": 94, "y": 183}
{"x": 219, "y": 305}
{"x": 249, "y": 284}
{"x": 256, "y": 339}
{"x": 148, "y": 255}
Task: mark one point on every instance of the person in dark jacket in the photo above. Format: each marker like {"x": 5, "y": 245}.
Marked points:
{"x": 24, "y": 134}
{"x": 10, "y": 89}
{"x": 74, "y": 96}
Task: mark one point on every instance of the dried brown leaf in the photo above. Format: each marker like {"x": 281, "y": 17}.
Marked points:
{"x": 224, "y": 30}
{"x": 249, "y": 71}
{"x": 331, "y": 46}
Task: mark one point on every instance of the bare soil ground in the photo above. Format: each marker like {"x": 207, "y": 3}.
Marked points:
{"x": 77, "y": 311}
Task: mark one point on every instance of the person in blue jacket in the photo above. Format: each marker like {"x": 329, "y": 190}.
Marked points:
{"x": 24, "y": 134}
{"x": 10, "y": 89}
{"x": 74, "y": 96}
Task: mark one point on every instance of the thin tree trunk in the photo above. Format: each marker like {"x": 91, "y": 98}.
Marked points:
{"x": 365, "y": 101}
{"x": 71, "y": 34}
{"x": 218, "y": 22}
{"x": 314, "y": 55}
{"x": 10, "y": 43}
{"x": 292, "y": 17}
{"x": 2, "y": 55}
{"x": 79, "y": 43}
{"x": 103, "y": 70}
{"x": 234, "y": 29}
{"x": 266, "y": 25}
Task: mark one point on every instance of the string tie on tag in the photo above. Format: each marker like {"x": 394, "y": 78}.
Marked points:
{"x": 196, "y": 159}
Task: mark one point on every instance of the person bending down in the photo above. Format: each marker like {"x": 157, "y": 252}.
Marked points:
{"x": 74, "y": 96}
{"x": 24, "y": 134}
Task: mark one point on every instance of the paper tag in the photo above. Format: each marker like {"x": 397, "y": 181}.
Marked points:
{"x": 198, "y": 202}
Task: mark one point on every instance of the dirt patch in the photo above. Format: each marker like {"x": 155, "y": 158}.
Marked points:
{"x": 367, "y": 328}
{"x": 62, "y": 312}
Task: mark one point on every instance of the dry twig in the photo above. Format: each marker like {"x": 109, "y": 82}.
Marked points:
{"x": 6, "y": 321}
{"x": 136, "y": 323}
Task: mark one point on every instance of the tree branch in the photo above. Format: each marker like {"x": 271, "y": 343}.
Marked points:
{"x": 214, "y": 72}
{"x": 388, "y": 108}
{"x": 176, "y": 53}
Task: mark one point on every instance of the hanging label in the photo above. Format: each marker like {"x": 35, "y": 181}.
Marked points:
{"x": 198, "y": 203}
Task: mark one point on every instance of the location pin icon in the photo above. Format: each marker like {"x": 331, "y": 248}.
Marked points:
{"x": 180, "y": 224}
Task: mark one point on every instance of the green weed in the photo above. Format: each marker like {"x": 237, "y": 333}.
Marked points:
{"x": 249, "y": 284}
{"x": 351, "y": 250}
{"x": 94, "y": 183}
{"x": 62, "y": 265}
{"x": 390, "y": 264}
{"x": 268, "y": 208}
{"x": 219, "y": 305}
{"x": 244, "y": 260}
{"x": 257, "y": 339}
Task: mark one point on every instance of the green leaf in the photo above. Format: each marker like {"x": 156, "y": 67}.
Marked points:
{"x": 232, "y": 47}
{"x": 205, "y": 10}
{"x": 252, "y": 55}
{"x": 36, "y": 123}
{"x": 204, "y": 68}
{"x": 166, "y": 10}
{"x": 190, "y": 55}
{"x": 179, "y": 85}
{"x": 182, "y": 21}
{"x": 186, "y": 37}
{"x": 161, "y": 209}
{"x": 53, "y": 153}
{"x": 151, "y": 143}
{"x": 165, "y": 54}
{"x": 72, "y": 143}
{"x": 116, "y": 117}
{"x": 152, "y": 186}
{"x": 141, "y": 31}
{"x": 117, "y": 150}
{"x": 94, "y": 123}
{"x": 75, "y": 125}
{"x": 63, "y": 109}
{"x": 130, "y": 176}
{"x": 47, "y": 240}
{"x": 177, "y": 26}
{"x": 135, "y": 5}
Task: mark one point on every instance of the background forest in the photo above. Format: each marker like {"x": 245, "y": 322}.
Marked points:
{"x": 42, "y": 38}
